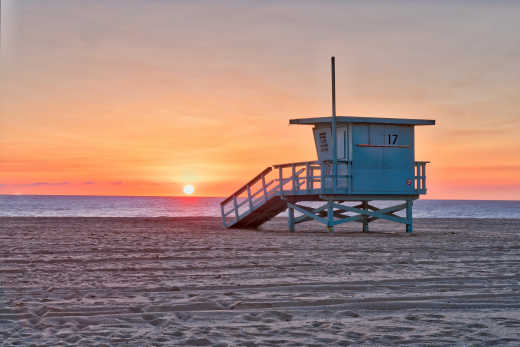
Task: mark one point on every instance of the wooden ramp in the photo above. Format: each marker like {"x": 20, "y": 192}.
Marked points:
{"x": 261, "y": 214}
{"x": 255, "y": 203}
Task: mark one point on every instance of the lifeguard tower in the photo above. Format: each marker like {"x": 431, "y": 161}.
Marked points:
{"x": 360, "y": 159}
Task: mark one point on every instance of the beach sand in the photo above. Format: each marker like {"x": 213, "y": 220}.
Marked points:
{"x": 189, "y": 281}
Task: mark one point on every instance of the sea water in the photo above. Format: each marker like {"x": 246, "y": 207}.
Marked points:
{"x": 139, "y": 206}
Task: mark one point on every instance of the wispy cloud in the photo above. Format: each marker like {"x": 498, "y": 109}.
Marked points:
{"x": 45, "y": 184}
{"x": 34, "y": 184}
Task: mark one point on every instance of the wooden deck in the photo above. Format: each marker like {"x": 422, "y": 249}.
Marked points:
{"x": 269, "y": 194}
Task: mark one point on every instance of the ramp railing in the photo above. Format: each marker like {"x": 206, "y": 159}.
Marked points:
{"x": 237, "y": 205}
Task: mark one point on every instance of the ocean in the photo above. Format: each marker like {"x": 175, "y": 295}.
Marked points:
{"x": 139, "y": 206}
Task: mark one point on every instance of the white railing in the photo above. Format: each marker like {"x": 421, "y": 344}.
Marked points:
{"x": 313, "y": 177}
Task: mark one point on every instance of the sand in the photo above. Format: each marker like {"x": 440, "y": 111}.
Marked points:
{"x": 189, "y": 281}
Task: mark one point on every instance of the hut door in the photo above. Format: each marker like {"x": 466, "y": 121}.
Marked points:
{"x": 382, "y": 159}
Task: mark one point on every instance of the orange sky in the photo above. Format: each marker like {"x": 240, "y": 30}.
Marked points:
{"x": 141, "y": 97}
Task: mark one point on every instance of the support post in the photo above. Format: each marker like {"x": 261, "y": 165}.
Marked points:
{"x": 364, "y": 206}
{"x": 330, "y": 216}
{"x": 291, "y": 219}
{"x": 349, "y": 176}
{"x": 409, "y": 217}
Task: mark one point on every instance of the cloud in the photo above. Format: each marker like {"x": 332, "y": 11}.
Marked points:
{"x": 45, "y": 184}
{"x": 34, "y": 184}
{"x": 89, "y": 182}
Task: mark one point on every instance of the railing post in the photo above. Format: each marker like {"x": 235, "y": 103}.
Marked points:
{"x": 235, "y": 204}
{"x": 223, "y": 215}
{"x": 280, "y": 177}
{"x": 249, "y": 197}
{"x": 419, "y": 176}
{"x": 419, "y": 184}
{"x": 294, "y": 185}
{"x": 308, "y": 179}
{"x": 416, "y": 178}
{"x": 424, "y": 176}
{"x": 322, "y": 176}
{"x": 422, "y": 183}
{"x": 264, "y": 188}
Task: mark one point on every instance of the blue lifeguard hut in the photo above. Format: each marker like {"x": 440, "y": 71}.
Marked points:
{"x": 360, "y": 159}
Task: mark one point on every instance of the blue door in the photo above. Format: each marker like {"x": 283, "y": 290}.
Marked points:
{"x": 382, "y": 159}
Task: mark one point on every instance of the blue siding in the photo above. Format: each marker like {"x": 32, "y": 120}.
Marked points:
{"x": 382, "y": 159}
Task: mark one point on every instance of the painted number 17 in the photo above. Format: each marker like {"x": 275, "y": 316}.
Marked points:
{"x": 392, "y": 139}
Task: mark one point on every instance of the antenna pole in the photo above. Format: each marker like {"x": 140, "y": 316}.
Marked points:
{"x": 334, "y": 132}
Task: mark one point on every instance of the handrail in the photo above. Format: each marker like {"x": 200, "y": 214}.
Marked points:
{"x": 295, "y": 164}
{"x": 300, "y": 163}
{"x": 244, "y": 187}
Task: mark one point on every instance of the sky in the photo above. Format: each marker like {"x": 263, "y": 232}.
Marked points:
{"x": 140, "y": 97}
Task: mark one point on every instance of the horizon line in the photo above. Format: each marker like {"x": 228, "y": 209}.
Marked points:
{"x": 200, "y": 196}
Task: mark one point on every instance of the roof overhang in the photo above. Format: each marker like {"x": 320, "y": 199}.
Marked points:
{"x": 367, "y": 120}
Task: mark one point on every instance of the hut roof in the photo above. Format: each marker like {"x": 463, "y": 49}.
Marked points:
{"x": 355, "y": 119}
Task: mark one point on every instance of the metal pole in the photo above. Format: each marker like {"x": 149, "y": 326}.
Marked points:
{"x": 334, "y": 132}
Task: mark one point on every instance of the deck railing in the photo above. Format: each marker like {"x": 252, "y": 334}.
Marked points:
{"x": 420, "y": 177}
{"x": 313, "y": 177}
{"x": 301, "y": 178}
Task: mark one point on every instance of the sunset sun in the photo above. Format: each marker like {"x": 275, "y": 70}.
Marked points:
{"x": 189, "y": 189}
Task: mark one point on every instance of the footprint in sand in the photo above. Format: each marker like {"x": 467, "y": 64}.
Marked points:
{"x": 273, "y": 316}
{"x": 252, "y": 317}
{"x": 347, "y": 314}
{"x": 150, "y": 317}
{"x": 184, "y": 316}
{"x": 198, "y": 342}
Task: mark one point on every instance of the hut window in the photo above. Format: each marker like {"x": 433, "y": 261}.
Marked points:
{"x": 324, "y": 147}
